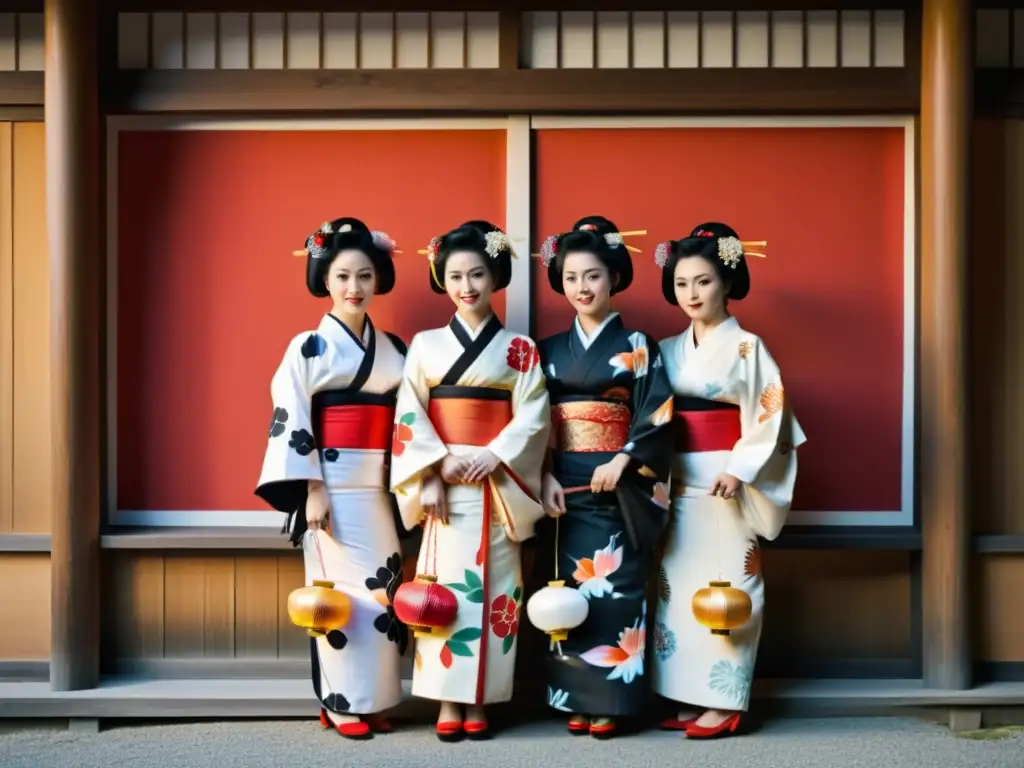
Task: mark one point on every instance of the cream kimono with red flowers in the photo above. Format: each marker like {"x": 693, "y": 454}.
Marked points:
{"x": 732, "y": 417}
{"x": 463, "y": 391}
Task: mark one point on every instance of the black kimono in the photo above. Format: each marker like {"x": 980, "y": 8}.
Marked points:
{"x": 612, "y": 397}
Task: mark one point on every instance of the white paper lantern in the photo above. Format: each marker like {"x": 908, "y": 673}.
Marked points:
{"x": 556, "y": 609}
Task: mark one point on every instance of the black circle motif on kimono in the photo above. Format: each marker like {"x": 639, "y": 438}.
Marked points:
{"x": 277, "y": 422}
{"x": 337, "y": 639}
{"x": 336, "y": 702}
{"x": 388, "y": 577}
{"x": 313, "y": 346}
{"x": 388, "y": 624}
{"x": 302, "y": 442}
{"x": 331, "y": 454}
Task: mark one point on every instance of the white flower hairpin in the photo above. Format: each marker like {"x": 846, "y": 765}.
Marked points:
{"x": 495, "y": 242}
{"x": 731, "y": 250}
{"x": 549, "y": 247}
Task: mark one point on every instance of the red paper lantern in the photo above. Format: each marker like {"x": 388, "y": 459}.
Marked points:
{"x": 424, "y": 605}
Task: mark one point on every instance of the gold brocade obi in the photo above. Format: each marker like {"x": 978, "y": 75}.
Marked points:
{"x": 590, "y": 426}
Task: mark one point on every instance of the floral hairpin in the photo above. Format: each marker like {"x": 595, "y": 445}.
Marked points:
{"x": 496, "y": 242}
{"x": 383, "y": 241}
{"x": 661, "y": 253}
{"x": 614, "y": 240}
{"x": 548, "y": 249}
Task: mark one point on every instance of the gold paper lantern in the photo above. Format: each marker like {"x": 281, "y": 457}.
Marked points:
{"x": 721, "y": 607}
{"x": 319, "y": 608}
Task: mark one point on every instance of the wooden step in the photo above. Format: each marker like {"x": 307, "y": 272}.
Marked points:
{"x": 123, "y": 697}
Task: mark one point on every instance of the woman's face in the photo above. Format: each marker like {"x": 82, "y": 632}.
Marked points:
{"x": 468, "y": 282}
{"x": 699, "y": 290}
{"x": 351, "y": 281}
{"x": 587, "y": 284}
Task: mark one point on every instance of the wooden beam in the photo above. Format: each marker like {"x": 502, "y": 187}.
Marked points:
{"x": 255, "y": 6}
{"x": 21, "y": 89}
{"x": 518, "y": 91}
{"x": 946, "y": 115}
{"x": 509, "y": 39}
{"x": 73, "y": 214}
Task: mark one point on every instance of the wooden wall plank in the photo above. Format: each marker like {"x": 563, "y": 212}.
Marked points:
{"x": 996, "y": 351}
{"x": 219, "y": 607}
{"x": 31, "y": 302}
{"x": 134, "y": 605}
{"x": 292, "y": 642}
{"x": 999, "y": 622}
{"x": 25, "y": 607}
{"x": 184, "y": 606}
{"x": 6, "y": 329}
{"x": 257, "y": 609}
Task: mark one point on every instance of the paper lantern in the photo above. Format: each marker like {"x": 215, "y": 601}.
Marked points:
{"x": 556, "y": 609}
{"x": 319, "y": 608}
{"x": 424, "y": 605}
{"x": 721, "y": 607}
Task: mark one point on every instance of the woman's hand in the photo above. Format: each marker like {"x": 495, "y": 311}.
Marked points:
{"x": 318, "y": 505}
{"x": 481, "y": 467}
{"x": 432, "y": 499}
{"x": 606, "y": 477}
{"x": 453, "y": 468}
{"x": 552, "y": 495}
{"x": 725, "y": 485}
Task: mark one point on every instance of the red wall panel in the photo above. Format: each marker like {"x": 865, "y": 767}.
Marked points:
{"x": 829, "y": 298}
{"x": 209, "y": 293}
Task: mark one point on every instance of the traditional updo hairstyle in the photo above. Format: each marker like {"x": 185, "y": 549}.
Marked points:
{"x": 719, "y": 244}
{"x": 477, "y": 236}
{"x": 592, "y": 234}
{"x": 347, "y": 234}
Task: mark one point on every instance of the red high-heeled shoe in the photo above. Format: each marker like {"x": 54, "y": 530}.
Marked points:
{"x": 358, "y": 730}
{"x": 579, "y": 727}
{"x": 477, "y": 730}
{"x": 675, "y": 724}
{"x": 728, "y": 727}
{"x": 449, "y": 730}
{"x": 379, "y": 724}
{"x": 603, "y": 730}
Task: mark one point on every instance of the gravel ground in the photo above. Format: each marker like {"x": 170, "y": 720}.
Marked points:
{"x": 825, "y": 743}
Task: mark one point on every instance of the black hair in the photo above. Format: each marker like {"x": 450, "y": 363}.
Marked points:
{"x": 588, "y": 234}
{"x": 344, "y": 234}
{"x": 704, "y": 242}
{"x": 471, "y": 236}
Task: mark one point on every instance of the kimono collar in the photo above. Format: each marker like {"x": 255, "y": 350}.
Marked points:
{"x": 469, "y": 331}
{"x": 331, "y": 325}
{"x": 720, "y": 330}
{"x": 585, "y": 340}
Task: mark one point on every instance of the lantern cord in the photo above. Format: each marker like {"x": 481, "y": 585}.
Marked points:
{"x": 319, "y": 554}
{"x": 557, "y": 522}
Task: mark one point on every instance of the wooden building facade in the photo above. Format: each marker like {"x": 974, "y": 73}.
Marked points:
{"x": 878, "y": 146}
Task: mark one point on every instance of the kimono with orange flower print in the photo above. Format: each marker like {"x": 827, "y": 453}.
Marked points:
{"x": 731, "y": 416}
{"x": 609, "y": 395}
{"x": 333, "y": 397}
{"x": 463, "y": 391}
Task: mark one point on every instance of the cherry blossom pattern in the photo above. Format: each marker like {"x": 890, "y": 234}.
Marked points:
{"x": 458, "y": 645}
{"x": 383, "y": 586}
{"x": 504, "y": 618}
{"x": 626, "y": 658}
{"x": 592, "y": 573}
{"x": 771, "y": 400}
{"x": 402, "y": 435}
{"x": 522, "y": 355}
{"x": 278, "y": 419}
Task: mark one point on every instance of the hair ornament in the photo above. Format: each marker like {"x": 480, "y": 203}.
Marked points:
{"x": 661, "y": 253}
{"x": 383, "y": 241}
{"x": 496, "y": 242}
{"x": 730, "y": 251}
{"x": 548, "y": 249}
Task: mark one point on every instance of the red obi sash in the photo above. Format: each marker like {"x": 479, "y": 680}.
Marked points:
{"x": 714, "y": 429}
{"x": 469, "y": 415}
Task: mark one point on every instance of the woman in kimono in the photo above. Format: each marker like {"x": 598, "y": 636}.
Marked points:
{"x": 471, "y": 426}
{"x": 325, "y": 466}
{"x": 732, "y": 478}
{"x": 611, "y": 410}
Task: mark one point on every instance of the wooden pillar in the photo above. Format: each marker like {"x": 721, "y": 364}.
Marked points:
{"x": 947, "y": 73}
{"x": 76, "y": 271}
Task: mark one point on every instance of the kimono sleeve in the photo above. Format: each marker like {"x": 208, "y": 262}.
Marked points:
{"x": 650, "y": 434}
{"x": 763, "y": 458}
{"x": 415, "y": 446}
{"x": 291, "y": 459}
{"x": 522, "y": 444}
